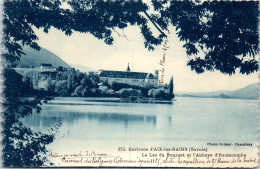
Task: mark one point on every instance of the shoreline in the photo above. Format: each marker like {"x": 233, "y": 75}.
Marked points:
{"x": 86, "y": 100}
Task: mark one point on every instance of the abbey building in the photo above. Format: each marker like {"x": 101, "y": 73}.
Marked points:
{"x": 133, "y": 78}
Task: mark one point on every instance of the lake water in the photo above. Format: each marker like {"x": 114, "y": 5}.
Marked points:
{"x": 105, "y": 126}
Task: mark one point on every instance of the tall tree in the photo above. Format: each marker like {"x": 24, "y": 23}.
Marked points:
{"x": 171, "y": 86}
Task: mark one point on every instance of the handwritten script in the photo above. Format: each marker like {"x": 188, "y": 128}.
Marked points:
{"x": 155, "y": 157}
{"x": 162, "y": 61}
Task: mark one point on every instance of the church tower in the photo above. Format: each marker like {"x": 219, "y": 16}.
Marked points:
{"x": 128, "y": 68}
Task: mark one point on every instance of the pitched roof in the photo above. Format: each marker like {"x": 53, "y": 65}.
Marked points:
{"x": 124, "y": 74}
{"x": 150, "y": 76}
{"x": 44, "y": 64}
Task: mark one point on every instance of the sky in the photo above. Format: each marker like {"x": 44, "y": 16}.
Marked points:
{"x": 86, "y": 50}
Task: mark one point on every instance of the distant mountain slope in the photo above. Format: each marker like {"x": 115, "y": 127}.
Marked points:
{"x": 35, "y": 58}
{"x": 248, "y": 92}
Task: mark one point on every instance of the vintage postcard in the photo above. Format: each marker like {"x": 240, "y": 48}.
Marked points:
{"x": 130, "y": 83}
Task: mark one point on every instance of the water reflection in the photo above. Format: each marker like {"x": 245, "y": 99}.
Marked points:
{"x": 47, "y": 120}
{"x": 114, "y": 113}
{"x": 104, "y": 126}
{"x": 200, "y": 119}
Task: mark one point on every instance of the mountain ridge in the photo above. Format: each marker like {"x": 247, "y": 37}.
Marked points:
{"x": 248, "y": 92}
{"x": 34, "y": 58}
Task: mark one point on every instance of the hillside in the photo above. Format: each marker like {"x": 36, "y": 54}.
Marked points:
{"x": 35, "y": 58}
{"x": 248, "y": 92}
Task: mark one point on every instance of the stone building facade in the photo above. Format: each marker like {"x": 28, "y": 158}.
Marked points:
{"x": 128, "y": 77}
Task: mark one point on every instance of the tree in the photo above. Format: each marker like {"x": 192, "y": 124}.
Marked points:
{"x": 118, "y": 86}
{"x": 70, "y": 79}
{"x": 86, "y": 92}
{"x": 78, "y": 91}
{"x": 105, "y": 83}
{"x": 100, "y": 18}
{"x": 60, "y": 69}
{"x": 59, "y": 76}
{"x": 35, "y": 79}
{"x": 160, "y": 94}
{"x": 86, "y": 82}
{"x": 69, "y": 83}
{"x": 94, "y": 79}
{"x": 61, "y": 88}
{"x": 171, "y": 86}
{"x": 151, "y": 92}
{"x": 21, "y": 146}
{"x": 224, "y": 34}
{"x": 129, "y": 92}
{"x": 49, "y": 83}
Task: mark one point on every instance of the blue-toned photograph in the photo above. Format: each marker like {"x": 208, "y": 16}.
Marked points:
{"x": 115, "y": 83}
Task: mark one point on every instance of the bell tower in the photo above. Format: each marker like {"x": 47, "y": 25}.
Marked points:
{"x": 156, "y": 74}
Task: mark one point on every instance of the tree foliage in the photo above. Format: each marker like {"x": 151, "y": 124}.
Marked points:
{"x": 129, "y": 92}
{"x": 217, "y": 35}
{"x": 220, "y": 35}
{"x": 99, "y": 18}
{"x": 171, "y": 86}
{"x": 160, "y": 94}
{"x": 21, "y": 146}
